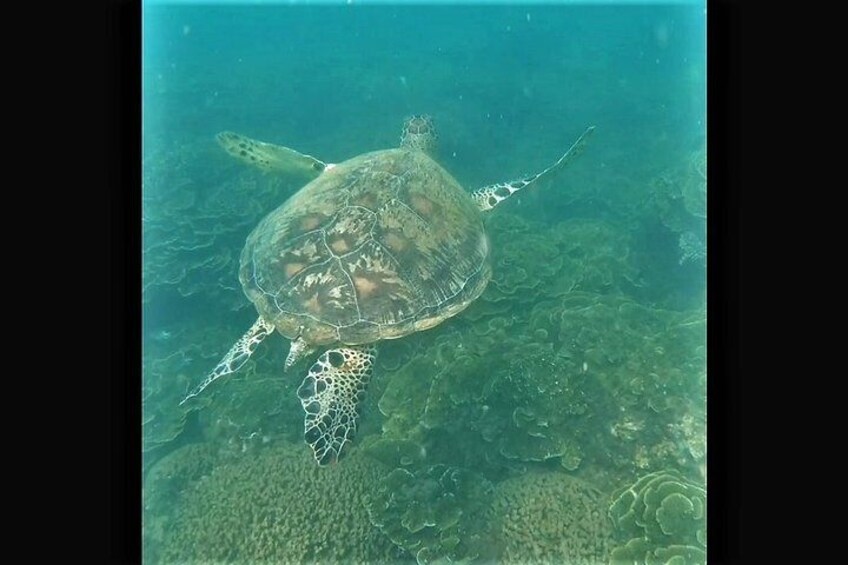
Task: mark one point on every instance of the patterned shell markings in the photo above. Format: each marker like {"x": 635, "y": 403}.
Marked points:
{"x": 380, "y": 246}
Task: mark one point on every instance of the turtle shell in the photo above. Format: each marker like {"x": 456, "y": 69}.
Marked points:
{"x": 380, "y": 246}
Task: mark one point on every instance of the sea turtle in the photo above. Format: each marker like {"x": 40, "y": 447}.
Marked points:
{"x": 376, "y": 247}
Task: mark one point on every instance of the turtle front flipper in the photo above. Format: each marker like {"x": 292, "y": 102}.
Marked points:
{"x": 269, "y": 157}
{"x": 330, "y": 394}
{"x": 490, "y": 196}
{"x": 236, "y": 357}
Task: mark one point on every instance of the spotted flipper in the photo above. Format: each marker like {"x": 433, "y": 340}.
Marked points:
{"x": 490, "y": 196}
{"x": 236, "y": 357}
{"x": 330, "y": 394}
{"x": 269, "y": 157}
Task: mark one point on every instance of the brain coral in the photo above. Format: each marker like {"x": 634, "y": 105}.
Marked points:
{"x": 277, "y": 506}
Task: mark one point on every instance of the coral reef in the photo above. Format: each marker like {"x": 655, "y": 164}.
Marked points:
{"x": 170, "y": 360}
{"x": 583, "y": 379}
{"x": 277, "y": 506}
{"x": 169, "y": 475}
{"x": 694, "y": 184}
{"x": 679, "y": 198}
{"x": 436, "y": 514}
{"x": 254, "y": 406}
{"x": 164, "y": 485}
{"x": 550, "y": 517}
{"x": 663, "y": 518}
{"x": 197, "y": 209}
{"x": 530, "y": 260}
{"x": 258, "y": 400}
{"x": 555, "y": 372}
{"x": 692, "y": 248}
{"x": 505, "y": 372}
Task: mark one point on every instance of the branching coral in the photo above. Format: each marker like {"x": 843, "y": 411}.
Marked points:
{"x": 550, "y": 517}
{"x": 164, "y": 484}
{"x": 278, "y": 506}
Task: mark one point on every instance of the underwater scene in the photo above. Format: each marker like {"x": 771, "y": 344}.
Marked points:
{"x": 424, "y": 283}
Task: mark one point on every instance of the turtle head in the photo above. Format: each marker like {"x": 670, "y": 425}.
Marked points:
{"x": 419, "y": 134}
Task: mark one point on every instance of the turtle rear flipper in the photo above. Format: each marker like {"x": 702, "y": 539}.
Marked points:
{"x": 269, "y": 157}
{"x": 490, "y": 196}
{"x": 330, "y": 394}
{"x": 236, "y": 357}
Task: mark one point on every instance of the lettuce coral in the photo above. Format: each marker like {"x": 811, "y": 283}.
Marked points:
{"x": 663, "y": 517}
{"x": 580, "y": 379}
{"x": 435, "y": 513}
{"x": 197, "y": 209}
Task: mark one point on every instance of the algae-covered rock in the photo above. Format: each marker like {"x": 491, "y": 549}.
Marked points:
{"x": 276, "y": 505}
{"x": 663, "y": 518}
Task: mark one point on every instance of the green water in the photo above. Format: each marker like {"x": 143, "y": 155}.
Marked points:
{"x": 560, "y": 418}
